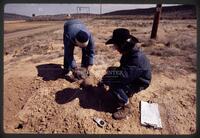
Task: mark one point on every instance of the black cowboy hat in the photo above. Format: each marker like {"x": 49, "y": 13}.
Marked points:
{"x": 120, "y": 36}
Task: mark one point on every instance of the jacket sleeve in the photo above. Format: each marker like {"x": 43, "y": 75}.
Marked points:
{"x": 130, "y": 73}
{"x": 88, "y": 54}
{"x": 121, "y": 76}
{"x": 91, "y": 48}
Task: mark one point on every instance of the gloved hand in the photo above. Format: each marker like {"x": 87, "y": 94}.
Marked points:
{"x": 102, "y": 85}
{"x": 80, "y": 73}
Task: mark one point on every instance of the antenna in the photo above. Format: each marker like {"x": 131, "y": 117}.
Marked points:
{"x": 83, "y": 10}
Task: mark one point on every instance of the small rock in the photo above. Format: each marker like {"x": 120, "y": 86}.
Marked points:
{"x": 21, "y": 99}
{"x": 6, "y": 53}
{"x": 22, "y": 107}
{"x": 194, "y": 80}
{"x": 118, "y": 129}
{"x": 192, "y": 129}
{"x": 191, "y": 26}
{"x": 108, "y": 127}
{"x": 42, "y": 120}
{"x": 54, "y": 132}
{"x": 113, "y": 126}
{"x": 168, "y": 44}
{"x": 20, "y": 126}
{"x": 38, "y": 78}
{"x": 39, "y": 109}
{"x": 9, "y": 99}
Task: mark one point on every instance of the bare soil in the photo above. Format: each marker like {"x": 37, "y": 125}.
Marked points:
{"x": 39, "y": 99}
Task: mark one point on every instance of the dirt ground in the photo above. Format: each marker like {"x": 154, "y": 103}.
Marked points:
{"x": 39, "y": 99}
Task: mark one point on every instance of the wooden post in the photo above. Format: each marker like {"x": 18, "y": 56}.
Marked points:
{"x": 156, "y": 21}
{"x": 100, "y": 8}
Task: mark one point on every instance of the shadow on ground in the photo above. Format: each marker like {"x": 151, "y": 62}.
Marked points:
{"x": 50, "y": 71}
{"x": 90, "y": 98}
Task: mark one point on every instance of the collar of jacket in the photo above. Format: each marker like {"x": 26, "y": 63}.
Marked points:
{"x": 132, "y": 51}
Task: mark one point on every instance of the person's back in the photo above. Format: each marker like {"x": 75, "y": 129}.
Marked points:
{"x": 73, "y": 26}
{"x": 136, "y": 58}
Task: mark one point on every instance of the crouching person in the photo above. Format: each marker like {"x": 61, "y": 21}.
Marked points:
{"x": 133, "y": 74}
{"x": 77, "y": 34}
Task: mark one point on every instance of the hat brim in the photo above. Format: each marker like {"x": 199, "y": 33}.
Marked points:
{"x": 135, "y": 40}
{"x": 110, "y": 41}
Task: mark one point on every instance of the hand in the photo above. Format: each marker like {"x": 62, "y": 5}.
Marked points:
{"x": 102, "y": 85}
{"x": 77, "y": 73}
{"x": 80, "y": 73}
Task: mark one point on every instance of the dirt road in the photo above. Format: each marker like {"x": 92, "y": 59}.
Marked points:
{"x": 29, "y": 32}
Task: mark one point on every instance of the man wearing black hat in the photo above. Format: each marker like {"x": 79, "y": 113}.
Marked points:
{"x": 76, "y": 34}
{"x": 133, "y": 75}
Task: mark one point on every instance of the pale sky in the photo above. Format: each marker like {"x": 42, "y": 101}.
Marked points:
{"x": 52, "y": 9}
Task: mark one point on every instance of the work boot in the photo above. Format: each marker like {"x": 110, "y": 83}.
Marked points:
{"x": 123, "y": 112}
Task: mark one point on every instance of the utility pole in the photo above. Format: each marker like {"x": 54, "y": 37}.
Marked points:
{"x": 156, "y": 21}
{"x": 100, "y": 8}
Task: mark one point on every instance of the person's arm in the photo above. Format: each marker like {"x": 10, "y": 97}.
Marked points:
{"x": 88, "y": 55}
{"x": 121, "y": 76}
{"x": 130, "y": 73}
{"x": 91, "y": 48}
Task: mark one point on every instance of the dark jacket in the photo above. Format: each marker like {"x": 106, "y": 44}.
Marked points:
{"x": 136, "y": 68}
{"x": 134, "y": 71}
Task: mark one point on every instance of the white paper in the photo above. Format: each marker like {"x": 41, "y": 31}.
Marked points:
{"x": 150, "y": 115}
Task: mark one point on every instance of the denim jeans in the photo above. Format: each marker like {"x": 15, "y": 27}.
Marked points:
{"x": 123, "y": 93}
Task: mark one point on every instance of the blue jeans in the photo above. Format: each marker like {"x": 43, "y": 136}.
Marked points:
{"x": 123, "y": 93}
